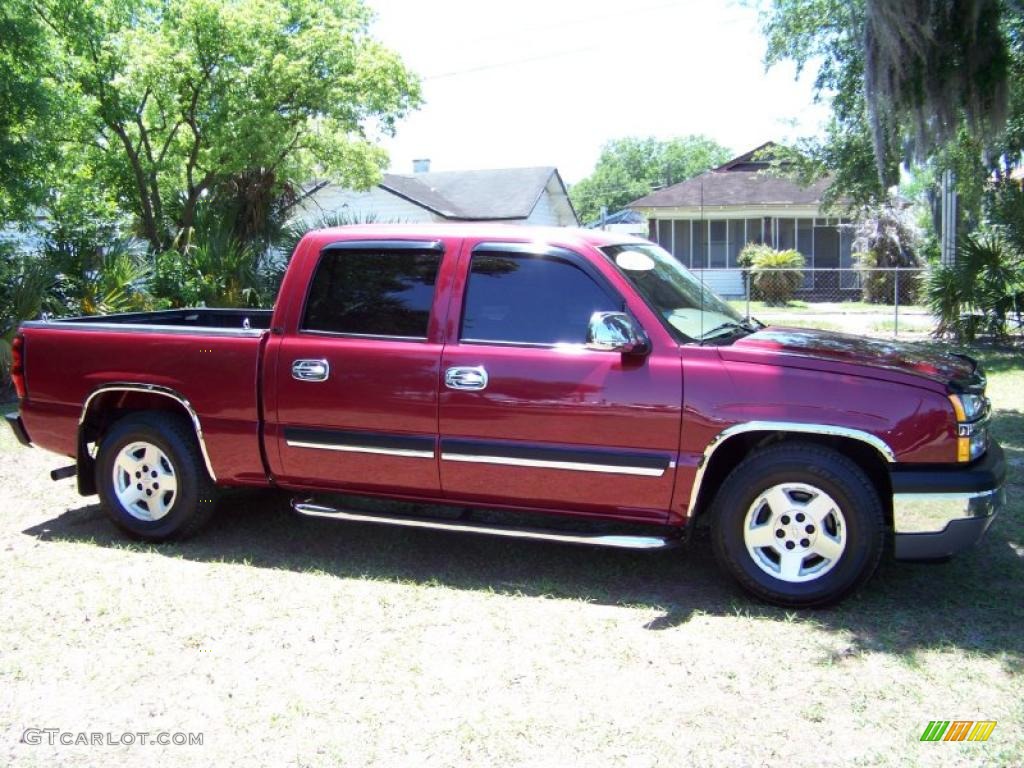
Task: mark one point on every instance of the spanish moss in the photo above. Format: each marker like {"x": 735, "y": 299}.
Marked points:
{"x": 932, "y": 66}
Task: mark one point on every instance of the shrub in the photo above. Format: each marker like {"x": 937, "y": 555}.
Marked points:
{"x": 878, "y": 281}
{"x": 982, "y": 292}
{"x": 882, "y": 242}
{"x": 774, "y": 275}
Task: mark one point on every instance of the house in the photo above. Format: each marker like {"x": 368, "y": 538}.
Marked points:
{"x": 510, "y": 195}
{"x": 626, "y": 221}
{"x": 705, "y": 222}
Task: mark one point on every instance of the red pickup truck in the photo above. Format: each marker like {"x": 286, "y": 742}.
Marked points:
{"x": 579, "y": 379}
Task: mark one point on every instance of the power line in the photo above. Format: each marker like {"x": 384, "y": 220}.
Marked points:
{"x": 578, "y": 21}
{"x": 511, "y": 63}
{"x": 540, "y": 27}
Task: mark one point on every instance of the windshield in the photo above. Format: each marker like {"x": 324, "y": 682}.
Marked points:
{"x": 691, "y": 311}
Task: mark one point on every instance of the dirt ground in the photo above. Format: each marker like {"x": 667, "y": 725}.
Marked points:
{"x": 288, "y": 641}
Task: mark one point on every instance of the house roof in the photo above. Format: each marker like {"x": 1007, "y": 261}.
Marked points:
{"x": 503, "y": 193}
{"x": 625, "y": 216}
{"x": 742, "y": 181}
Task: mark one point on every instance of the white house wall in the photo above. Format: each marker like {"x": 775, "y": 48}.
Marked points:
{"x": 384, "y": 206}
{"x": 553, "y": 208}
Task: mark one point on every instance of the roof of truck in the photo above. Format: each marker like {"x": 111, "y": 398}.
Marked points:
{"x": 483, "y": 230}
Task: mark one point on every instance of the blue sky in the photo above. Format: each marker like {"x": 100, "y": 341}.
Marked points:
{"x": 547, "y": 82}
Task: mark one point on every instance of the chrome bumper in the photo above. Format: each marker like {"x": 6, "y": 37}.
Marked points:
{"x": 933, "y": 518}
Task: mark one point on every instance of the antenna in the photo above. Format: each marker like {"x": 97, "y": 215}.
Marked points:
{"x": 702, "y": 261}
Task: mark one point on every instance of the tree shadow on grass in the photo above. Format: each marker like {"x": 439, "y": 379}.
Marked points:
{"x": 974, "y": 602}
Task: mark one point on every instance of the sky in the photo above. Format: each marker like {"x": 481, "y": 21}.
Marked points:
{"x": 548, "y": 82}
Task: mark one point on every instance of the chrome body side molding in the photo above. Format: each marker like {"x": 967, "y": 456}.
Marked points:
{"x": 154, "y": 389}
{"x": 403, "y": 452}
{"x": 310, "y": 508}
{"x": 829, "y": 430}
{"x": 576, "y": 466}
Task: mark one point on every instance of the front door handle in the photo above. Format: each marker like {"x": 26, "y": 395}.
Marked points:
{"x": 472, "y": 378}
{"x": 311, "y": 370}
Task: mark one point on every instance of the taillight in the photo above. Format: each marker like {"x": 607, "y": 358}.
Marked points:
{"x": 18, "y": 365}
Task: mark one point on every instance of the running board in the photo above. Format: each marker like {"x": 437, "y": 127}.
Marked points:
{"x": 595, "y": 539}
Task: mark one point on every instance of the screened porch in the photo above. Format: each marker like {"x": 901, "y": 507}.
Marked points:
{"x": 713, "y": 245}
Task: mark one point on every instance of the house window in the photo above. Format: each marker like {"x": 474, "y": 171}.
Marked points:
{"x": 786, "y": 234}
{"x": 717, "y": 234}
{"x": 805, "y": 239}
{"x": 737, "y": 239}
{"x": 754, "y": 230}
{"x": 665, "y": 234}
{"x": 682, "y": 242}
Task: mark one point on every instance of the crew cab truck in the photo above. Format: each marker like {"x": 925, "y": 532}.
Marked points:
{"x": 555, "y": 374}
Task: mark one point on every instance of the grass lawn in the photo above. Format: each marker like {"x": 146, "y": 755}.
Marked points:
{"x": 798, "y": 306}
{"x": 305, "y": 642}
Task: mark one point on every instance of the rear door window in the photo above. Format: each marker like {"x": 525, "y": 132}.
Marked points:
{"x": 372, "y": 293}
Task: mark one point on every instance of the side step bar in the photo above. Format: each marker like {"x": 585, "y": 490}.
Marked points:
{"x": 596, "y": 539}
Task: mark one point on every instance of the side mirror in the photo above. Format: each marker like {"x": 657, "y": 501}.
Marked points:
{"x": 616, "y": 332}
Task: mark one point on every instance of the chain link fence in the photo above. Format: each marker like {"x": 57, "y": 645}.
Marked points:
{"x": 876, "y": 302}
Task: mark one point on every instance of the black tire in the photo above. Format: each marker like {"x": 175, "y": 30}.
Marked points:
{"x": 860, "y": 517}
{"x": 195, "y": 497}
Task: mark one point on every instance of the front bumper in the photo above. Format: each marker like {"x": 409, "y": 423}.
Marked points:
{"x": 14, "y": 420}
{"x": 939, "y": 512}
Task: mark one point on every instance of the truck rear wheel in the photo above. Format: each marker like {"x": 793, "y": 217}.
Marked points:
{"x": 798, "y": 525}
{"x": 151, "y": 478}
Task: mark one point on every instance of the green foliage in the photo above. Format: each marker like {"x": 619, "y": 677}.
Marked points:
{"x": 210, "y": 265}
{"x": 1005, "y": 209}
{"x": 631, "y": 167}
{"x": 933, "y": 70}
{"x": 179, "y": 97}
{"x": 884, "y": 241}
{"x": 25, "y": 284}
{"x": 774, "y": 275}
{"x": 26, "y": 108}
{"x": 117, "y": 282}
{"x": 753, "y": 253}
{"x": 290, "y": 235}
{"x": 954, "y": 60}
{"x": 982, "y": 292}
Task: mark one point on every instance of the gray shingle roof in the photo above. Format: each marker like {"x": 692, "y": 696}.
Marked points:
{"x": 504, "y": 193}
{"x": 743, "y": 181}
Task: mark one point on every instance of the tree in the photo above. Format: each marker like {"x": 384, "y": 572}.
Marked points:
{"x": 907, "y": 80}
{"x": 933, "y": 67}
{"x": 631, "y": 167}
{"x": 180, "y": 97}
{"x": 25, "y": 105}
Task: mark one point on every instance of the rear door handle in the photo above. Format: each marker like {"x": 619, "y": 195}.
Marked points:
{"x": 471, "y": 378}
{"x": 311, "y": 370}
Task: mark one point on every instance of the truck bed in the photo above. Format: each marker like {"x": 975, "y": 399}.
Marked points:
{"x": 208, "y": 359}
{"x": 201, "y": 320}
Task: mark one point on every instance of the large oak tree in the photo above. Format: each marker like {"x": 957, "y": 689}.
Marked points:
{"x": 176, "y": 97}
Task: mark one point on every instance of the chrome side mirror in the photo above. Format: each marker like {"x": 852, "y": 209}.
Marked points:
{"x": 616, "y": 332}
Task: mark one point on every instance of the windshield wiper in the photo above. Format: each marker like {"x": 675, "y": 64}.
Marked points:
{"x": 732, "y": 326}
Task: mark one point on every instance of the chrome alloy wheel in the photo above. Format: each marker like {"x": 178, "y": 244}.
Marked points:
{"x": 795, "y": 532}
{"x": 145, "y": 481}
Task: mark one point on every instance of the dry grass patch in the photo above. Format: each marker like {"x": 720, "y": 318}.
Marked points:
{"x": 305, "y": 642}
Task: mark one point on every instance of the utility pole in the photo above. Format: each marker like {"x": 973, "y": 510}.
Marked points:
{"x": 947, "y": 241}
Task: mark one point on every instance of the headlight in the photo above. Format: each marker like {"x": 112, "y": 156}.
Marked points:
{"x": 977, "y": 443}
{"x": 972, "y": 425}
{"x": 969, "y": 407}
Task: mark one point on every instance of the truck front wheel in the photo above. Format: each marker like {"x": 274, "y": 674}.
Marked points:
{"x": 151, "y": 478}
{"x": 798, "y": 525}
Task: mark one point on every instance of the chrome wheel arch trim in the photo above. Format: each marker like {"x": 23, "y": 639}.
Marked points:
{"x": 154, "y": 389}
{"x": 828, "y": 430}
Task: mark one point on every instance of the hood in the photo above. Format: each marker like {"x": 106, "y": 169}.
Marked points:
{"x": 900, "y": 357}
